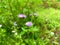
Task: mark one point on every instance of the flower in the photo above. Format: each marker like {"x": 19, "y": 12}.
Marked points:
{"x": 30, "y": 14}
{"x": 15, "y": 24}
{"x": 35, "y": 14}
{"x": 52, "y": 33}
{"x": 22, "y": 16}
{"x": 16, "y": 33}
{"x": 28, "y": 24}
{"x": 0, "y": 25}
{"x": 13, "y": 31}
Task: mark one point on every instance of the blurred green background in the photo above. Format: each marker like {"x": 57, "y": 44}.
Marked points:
{"x": 46, "y": 22}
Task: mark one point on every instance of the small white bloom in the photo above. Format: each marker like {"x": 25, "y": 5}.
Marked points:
{"x": 56, "y": 37}
{"x": 16, "y": 33}
{"x": 42, "y": 38}
{"x": 13, "y": 31}
{"x": 30, "y": 14}
{"x": 15, "y": 24}
{"x": 35, "y": 14}
{"x": 51, "y": 33}
{"x": 0, "y": 25}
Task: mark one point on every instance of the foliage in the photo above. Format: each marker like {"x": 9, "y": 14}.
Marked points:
{"x": 28, "y": 22}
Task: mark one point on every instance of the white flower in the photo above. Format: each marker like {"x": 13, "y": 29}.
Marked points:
{"x": 13, "y": 31}
{"x": 35, "y": 14}
{"x": 0, "y": 25}
{"x": 51, "y": 33}
{"x": 16, "y": 33}
{"x": 15, "y": 24}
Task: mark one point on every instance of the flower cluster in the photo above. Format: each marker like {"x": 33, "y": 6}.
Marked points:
{"x": 35, "y": 14}
{"x": 24, "y": 16}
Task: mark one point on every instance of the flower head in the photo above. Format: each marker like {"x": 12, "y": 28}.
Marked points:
{"x": 28, "y": 24}
{"x": 22, "y": 16}
{"x": 35, "y": 14}
{"x": 52, "y": 33}
{"x": 30, "y": 14}
{"x": 15, "y": 24}
{"x": 16, "y": 33}
{"x": 13, "y": 31}
{"x": 0, "y": 25}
